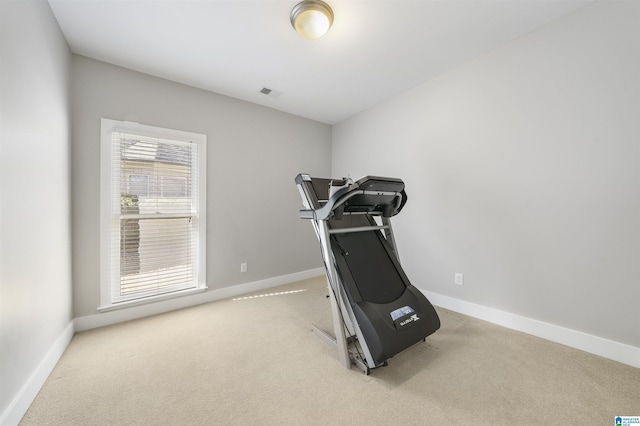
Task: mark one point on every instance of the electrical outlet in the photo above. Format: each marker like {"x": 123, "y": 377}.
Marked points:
{"x": 458, "y": 278}
{"x": 243, "y": 267}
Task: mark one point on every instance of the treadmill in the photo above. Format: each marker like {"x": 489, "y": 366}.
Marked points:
{"x": 377, "y": 312}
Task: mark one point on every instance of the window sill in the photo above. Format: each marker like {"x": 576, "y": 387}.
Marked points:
{"x": 150, "y": 299}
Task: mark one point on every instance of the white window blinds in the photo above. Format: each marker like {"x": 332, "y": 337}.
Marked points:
{"x": 155, "y": 233}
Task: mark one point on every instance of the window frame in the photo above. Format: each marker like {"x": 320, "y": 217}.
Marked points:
{"x": 107, "y": 218}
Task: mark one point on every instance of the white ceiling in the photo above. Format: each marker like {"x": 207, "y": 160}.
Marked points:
{"x": 375, "y": 49}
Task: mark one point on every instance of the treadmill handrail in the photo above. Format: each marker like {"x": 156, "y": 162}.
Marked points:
{"x": 320, "y": 206}
{"x": 358, "y": 229}
{"x": 339, "y": 198}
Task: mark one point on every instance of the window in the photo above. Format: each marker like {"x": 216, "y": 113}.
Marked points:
{"x": 153, "y": 217}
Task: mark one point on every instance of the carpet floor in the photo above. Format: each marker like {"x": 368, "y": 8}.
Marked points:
{"x": 254, "y": 361}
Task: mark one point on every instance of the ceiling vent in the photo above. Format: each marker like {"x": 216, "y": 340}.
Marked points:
{"x": 271, "y": 93}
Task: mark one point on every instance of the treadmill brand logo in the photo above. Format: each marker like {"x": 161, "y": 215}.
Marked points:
{"x": 404, "y": 317}
{"x": 411, "y": 319}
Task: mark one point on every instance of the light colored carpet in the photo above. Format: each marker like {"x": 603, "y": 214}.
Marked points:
{"x": 255, "y": 362}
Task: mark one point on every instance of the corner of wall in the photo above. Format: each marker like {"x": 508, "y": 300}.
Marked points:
{"x": 21, "y": 402}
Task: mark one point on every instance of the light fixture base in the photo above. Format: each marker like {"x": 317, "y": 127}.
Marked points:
{"x": 312, "y": 18}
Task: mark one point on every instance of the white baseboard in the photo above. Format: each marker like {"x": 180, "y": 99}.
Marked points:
{"x": 610, "y": 349}
{"x": 113, "y": 317}
{"x": 20, "y": 404}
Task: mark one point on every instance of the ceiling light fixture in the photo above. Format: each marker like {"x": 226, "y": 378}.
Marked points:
{"x": 312, "y": 18}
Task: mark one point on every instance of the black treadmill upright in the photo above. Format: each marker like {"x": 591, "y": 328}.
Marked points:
{"x": 377, "y": 312}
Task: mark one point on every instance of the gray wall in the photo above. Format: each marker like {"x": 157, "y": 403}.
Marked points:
{"x": 523, "y": 172}
{"x": 254, "y": 154}
{"x": 35, "y": 227}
